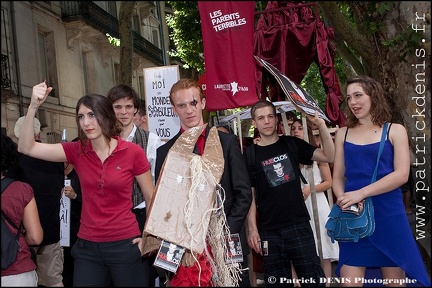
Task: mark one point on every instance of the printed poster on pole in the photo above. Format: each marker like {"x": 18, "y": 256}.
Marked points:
{"x": 295, "y": 94}
{"x": 65, "y": 210}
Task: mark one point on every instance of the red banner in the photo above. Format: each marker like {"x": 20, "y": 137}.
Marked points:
{"x": 228, "y": 28}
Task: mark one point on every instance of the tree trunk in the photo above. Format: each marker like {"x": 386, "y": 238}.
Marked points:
{"x": 126, "y": 41}
{"x": 407, "y": 81}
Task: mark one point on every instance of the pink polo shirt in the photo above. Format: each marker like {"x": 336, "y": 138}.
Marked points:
{"x": 107, "y": 189}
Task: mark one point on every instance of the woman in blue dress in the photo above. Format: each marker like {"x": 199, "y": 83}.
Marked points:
{"x": 391, "y": 247}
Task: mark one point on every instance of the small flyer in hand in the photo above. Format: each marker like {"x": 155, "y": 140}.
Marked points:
{"x": 219, "y": 201}
{"x": 234, "y": 253}
{"x": 354, "y": 209}
{"x": 169, "y": 256}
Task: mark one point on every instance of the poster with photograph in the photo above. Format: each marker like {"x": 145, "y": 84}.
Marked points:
{"x": 294, "y": 93}
{"x": 65, "y": 221}
{"x": 169, "y": 256}
{"x": 234, "y": 251}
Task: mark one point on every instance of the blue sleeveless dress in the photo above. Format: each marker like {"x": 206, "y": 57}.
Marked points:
{"x": 392, "y": 244}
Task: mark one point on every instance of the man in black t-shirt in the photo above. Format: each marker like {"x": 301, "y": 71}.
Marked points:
{"x": 47, "y": 180}
{"x": 283, "y": 222}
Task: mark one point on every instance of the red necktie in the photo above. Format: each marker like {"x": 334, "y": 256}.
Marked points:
{"x": 200, "y": 143}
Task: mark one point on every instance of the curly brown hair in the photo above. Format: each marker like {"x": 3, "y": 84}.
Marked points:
{"x": 9, "y": 155}
{"x": 380, "y": 110}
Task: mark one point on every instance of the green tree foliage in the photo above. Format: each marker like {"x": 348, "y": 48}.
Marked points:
{"x": 186, "y": 26}
{"x": 313, "y": 84}
{"x": 187, "y": 36}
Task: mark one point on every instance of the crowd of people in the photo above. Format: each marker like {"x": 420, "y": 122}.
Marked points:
{"x": 264, "y": 195}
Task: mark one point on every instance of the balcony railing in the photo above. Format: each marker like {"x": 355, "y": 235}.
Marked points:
{"x": 5, "y": 71}
{"x": 101, "y": 20}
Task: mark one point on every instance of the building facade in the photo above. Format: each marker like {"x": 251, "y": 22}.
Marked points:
{"x": 67, "y": 43}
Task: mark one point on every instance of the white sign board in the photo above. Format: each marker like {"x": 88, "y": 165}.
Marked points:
{"x": 65, "y": 210}
{"x": 161, "y": 117}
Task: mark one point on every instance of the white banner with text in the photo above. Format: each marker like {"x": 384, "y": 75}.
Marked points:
{"x": 161, "y": 117}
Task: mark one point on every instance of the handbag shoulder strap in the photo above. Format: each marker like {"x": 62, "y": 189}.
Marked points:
{"x": 381, "y": 147}
{"x": 4, "y": 184}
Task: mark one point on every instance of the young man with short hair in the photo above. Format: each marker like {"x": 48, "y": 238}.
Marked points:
{"x": 283, "y": 220}
{"x": 125, "y": 101}
{"x": 188, "y": 102}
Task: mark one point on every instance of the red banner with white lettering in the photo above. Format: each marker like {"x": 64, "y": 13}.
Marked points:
{"x": 227, "y": 29}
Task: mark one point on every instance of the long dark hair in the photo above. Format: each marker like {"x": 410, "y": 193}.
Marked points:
{"x": 105, "y": 116}
{"x": 309, "y": 130}
{"x": 380, "y": 110}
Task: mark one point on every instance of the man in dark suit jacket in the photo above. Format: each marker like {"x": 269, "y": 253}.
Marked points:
{"x": 188, "y": 101}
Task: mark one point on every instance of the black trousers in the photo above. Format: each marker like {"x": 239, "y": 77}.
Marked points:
{"x": 99, "y": 263}
{"x": 141, "y": 217}
{"x": 244, "y": 279}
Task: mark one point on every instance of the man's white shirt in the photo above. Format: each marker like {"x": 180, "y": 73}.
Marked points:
{"x": 153, "y": 143}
